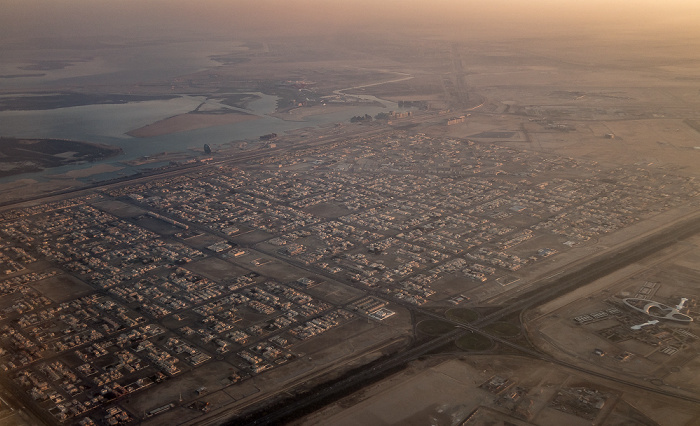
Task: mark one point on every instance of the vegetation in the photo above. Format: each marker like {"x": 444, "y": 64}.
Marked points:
{"x": 382, "y": 116}
{"x": 361, "y": 119}
{"x": 414, "y": 104}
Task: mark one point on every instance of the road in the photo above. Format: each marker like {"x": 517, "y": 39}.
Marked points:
{"x": 348, "y": 132}
{"x": 22, "y": 404}
{"x": 543, "y": 289}
{"x": 550, "y": 287}
{"x": 361, "y": 132}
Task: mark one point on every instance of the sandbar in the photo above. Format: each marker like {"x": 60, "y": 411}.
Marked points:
{"x": 300, "y": 113}
{"x": 189, "y": 121}
{"x": 90, "y": 171}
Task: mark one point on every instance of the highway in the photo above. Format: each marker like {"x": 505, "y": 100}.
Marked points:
{"x": 559, "y": 282}
{"x": 348, "y": 133}
{"x": 361, "y": 132}
{"x": 22, "y": 403}
{"x": 550, "y": 287}
{"x": 596, "y": 267}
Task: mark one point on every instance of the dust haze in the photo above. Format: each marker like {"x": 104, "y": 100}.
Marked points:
{"x": 320, "y": 212}
{"x": 451, "y": 18}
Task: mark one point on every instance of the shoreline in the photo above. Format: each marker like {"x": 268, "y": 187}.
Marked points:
{"x": 299, "y": 114}
{"x": 189, "y": 121}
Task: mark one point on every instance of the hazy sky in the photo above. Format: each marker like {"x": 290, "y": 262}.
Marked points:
{"x": 23, "y": 19}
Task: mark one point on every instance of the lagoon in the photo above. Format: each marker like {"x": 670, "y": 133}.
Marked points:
{"x": 108, "y": 124}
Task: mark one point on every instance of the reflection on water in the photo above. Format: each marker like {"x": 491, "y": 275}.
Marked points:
{"x": 108, "y": 124}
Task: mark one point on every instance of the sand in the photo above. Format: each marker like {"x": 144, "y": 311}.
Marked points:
{"x": 300, "y": 114}
{"x": 186, "y": 122}
{"x": 90, "y": 171}
{"x": 30, "y": 187}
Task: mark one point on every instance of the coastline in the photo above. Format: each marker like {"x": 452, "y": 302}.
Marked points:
{"x": 189, "y": 121}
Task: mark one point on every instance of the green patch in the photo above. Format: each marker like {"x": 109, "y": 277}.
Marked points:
{"x": 473, "y": 342}
{"x": 503, "y": 329}
{"x": 462, "y": 315}
{"x": 434, "y": 327}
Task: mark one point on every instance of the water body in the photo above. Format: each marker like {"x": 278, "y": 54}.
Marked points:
{"x": 108, "y": 124}
{"x": 123, "y": 63}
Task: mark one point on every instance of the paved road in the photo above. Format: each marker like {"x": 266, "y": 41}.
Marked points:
{"x": 554, "y": 286}
{"x": 22, "y": 399}
{"x": 361, "y": 132}
{"x": 546, "y": 289}
{"x": 348, "y": 133}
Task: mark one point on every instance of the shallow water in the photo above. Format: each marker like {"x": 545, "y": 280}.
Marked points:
{"x": 108, "y": 124}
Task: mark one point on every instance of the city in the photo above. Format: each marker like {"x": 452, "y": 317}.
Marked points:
{"x": 367, "y": 213}
{"x": 213, "y": 277}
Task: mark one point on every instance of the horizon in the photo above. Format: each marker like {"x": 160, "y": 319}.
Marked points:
{"x": 34, "y": 19}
